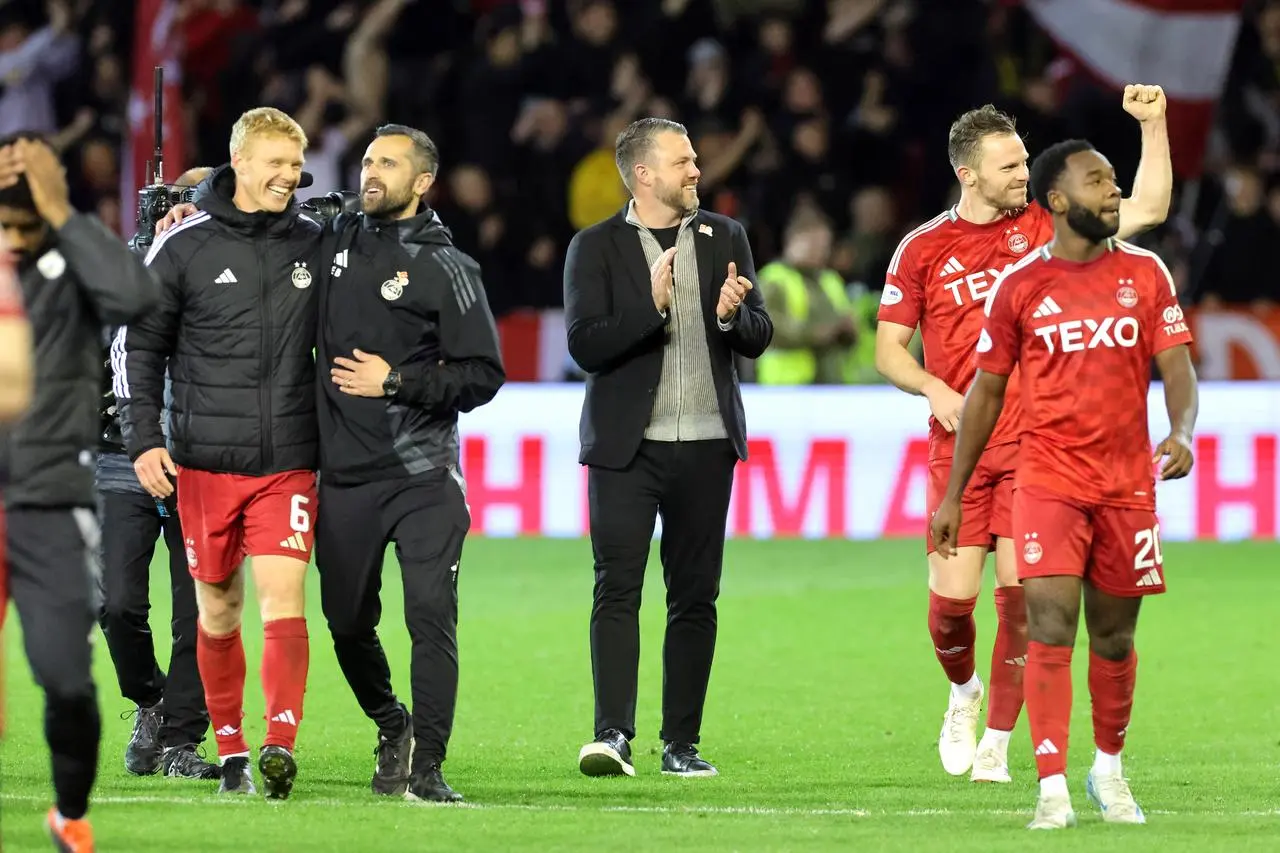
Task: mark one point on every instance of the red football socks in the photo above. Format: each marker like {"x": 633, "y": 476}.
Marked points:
{"x": 1048, "y": 696}
{"x": 285, "y": 657}
{"x": 951, "y": 626}
{"x": 221, "y": 664}
{"x": 1008, "y": 659}
{"x": 1111, "y": 685}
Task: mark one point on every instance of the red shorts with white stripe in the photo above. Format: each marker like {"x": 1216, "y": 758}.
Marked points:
{"x": 1115, "y": 549}
{"x": 227, "y": 517}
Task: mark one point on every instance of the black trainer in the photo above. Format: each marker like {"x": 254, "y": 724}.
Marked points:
{"x": 428, "y": 785}
{"x": 186, "y": 762}
{"x": 607, "y": 755}
{"x": 278, "y": 768}
{"x": 142, "y": 755}
{"x": 391, "y": 772}
{"x": 236, "y": 776}
{"x": 682, "y": 759}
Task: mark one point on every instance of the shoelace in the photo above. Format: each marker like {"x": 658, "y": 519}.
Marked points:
{"x": 957, "y": 717}
{"x": 1116, "y": 793}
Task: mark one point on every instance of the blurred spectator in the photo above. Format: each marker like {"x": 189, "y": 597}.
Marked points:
{"x": 836, "y": 108}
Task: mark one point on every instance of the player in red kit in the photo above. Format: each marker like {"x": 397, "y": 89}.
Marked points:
{"x": 1082, "y": 318}
{"x": 937, "y": 281}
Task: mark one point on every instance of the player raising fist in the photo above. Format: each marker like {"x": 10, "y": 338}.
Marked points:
{"x": 1082, "y": 317}
{"x": 938, "y": 279}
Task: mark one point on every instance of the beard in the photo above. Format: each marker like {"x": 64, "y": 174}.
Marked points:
{"x": 1004, "y": 199}
{"x": 1090, "y": 225}
{"x": 390, "y": 204}
{"x": 674, "y": 197}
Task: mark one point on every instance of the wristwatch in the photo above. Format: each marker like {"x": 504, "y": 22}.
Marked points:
{"x": 391, "y": 385}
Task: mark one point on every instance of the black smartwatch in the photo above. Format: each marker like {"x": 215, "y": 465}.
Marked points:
{"x": 391, "y": 385}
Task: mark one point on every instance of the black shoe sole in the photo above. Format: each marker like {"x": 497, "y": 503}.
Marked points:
{"x": 278, "y": 770}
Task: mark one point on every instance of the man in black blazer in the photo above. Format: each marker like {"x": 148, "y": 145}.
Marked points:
{"x": 658, "y": 298}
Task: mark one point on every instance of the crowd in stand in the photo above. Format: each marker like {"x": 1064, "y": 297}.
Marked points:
{"x": 836, "y": 108}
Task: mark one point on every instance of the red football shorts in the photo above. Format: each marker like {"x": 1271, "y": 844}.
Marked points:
{"x": 227, "y": 517}
{"x": 986, "y": 508}
{"x": 1116, "y": 549}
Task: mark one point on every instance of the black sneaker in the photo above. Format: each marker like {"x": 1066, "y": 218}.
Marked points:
{"x": 186, "y": 762}
{"x": 607, "y": 755}
{"x": 682, "y": 759}
{"x": 236, "y": 776}
{"x": 391, "y": 773}
{"x": 428, "y": 786}
{"x": 142, "y": 755}
{"x": 278, "y": 769}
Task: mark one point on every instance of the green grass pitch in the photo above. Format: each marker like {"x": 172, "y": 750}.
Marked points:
{"x": 823, "y": 715}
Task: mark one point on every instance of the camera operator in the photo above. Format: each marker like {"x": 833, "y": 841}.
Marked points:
{"x": 171, "y": 718}
{"x": 76, "y": 277}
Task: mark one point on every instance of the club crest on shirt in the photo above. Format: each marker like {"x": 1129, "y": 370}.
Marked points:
{"x": 1018, "y": 242}
{"x": 1127, "y": 295}
{"x": 1032, "y": 550}
{"x": 301, "y": 276}
{"x": 393, "y": 288}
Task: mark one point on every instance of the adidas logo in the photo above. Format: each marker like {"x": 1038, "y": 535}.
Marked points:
{"x": 286, "y": 717}
{"x": 1018, "y": 661}
{"x": 226, "y": 277}
{"x": 1046, "y": 747}
{"x": 295, "y": 542}
{"x": 226, "y": 731}
{"x": 339, "y": 264}
{"x": 1047, "y": 307}
{"x": 954, "y": 650}
{"x": 951, "y": 267}
{"x": 1151, "y": 578}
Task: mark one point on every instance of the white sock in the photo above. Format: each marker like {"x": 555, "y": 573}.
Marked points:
{"x": 1054, "y": 786}
{"x": 996, "y": 739}
{"x": 222, "y": 759}
{"x": 1105, "y": 764}
{"x": 969, "y": 690}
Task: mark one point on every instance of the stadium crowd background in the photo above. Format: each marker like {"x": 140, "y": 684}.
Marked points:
{"x": 793, "y": 105}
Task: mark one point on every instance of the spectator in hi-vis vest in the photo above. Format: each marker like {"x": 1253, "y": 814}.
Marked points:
{"x": 815, "y": 326}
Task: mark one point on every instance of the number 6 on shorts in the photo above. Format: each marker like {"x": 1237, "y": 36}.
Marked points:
{"x": 300, "y": 519}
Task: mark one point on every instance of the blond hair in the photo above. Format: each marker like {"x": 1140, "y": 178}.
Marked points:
{"x": 265, "y": 121}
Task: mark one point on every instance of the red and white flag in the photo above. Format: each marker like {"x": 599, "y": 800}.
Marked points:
{"x": 156, "y": 42}
{"x": 1183, "y": 46}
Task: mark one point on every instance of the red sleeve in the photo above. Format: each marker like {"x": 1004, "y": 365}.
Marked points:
{"x": 902, "y": 300}
{"x": 1168, "y": 321}
{"x": 1001, "y": 338}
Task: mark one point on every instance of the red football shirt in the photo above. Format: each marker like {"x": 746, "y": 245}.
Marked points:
{"x": 938, "y": 279}
{"x": 1084, "y": 336}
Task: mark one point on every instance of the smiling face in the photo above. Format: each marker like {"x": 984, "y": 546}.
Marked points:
{"x": 268, "y": 167}
{"x": 1087, "y": 192}
{"x": 671, "y": 172}
{"x": 1000, "y": 175}
{"x": 392, "y": 178}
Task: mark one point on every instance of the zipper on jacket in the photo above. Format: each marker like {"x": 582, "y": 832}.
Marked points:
{"x": 264, "y": 366}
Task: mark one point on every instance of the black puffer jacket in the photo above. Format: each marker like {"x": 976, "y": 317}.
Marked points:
{"x": 236, "y": 328}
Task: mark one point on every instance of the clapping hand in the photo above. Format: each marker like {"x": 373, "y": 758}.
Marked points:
{"x": 732, "y": 292}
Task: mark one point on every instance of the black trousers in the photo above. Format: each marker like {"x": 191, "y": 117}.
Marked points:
{"x": 689, "y": 483}
{"x": 427, "y": 518}
{"x": 131, "y": 525}
{"x": 52, "y": 560}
